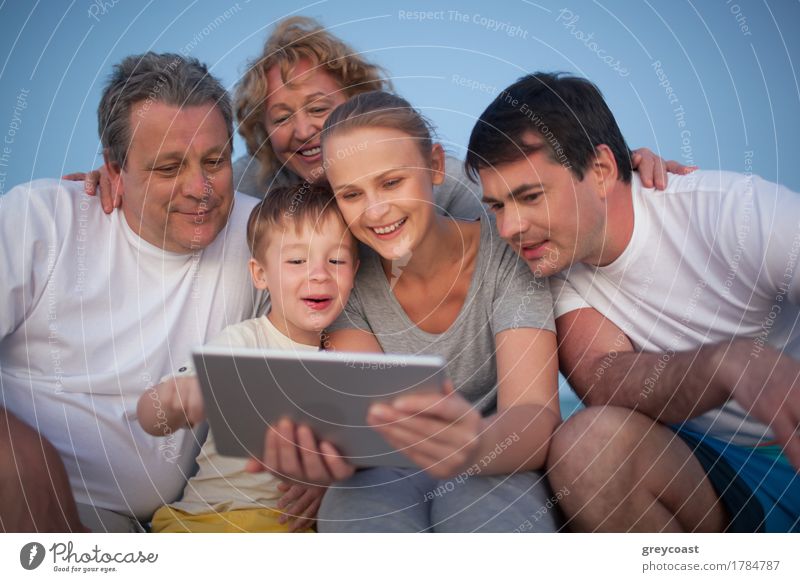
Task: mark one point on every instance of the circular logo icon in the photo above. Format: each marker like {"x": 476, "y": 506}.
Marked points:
{"x": 31, "y": 555}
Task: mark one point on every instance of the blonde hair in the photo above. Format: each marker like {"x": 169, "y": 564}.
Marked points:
{"x": 381, "y": 109}
{"x": 294, "y": 39}
{"x": 299, "y": 205}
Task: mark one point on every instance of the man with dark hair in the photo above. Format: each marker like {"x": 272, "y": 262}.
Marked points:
{"x": 100, "y": 307}
{"x": 676, "y": 315}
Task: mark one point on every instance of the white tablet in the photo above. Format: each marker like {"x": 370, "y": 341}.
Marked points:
{"x": 246, "y": 390}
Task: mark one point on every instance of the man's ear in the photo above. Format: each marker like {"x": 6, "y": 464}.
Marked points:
{"x": 603, "y": 170}
{"x": 258, "y": 273}
{"x": 114, "y": 174}
{"x": 437, "y": 163}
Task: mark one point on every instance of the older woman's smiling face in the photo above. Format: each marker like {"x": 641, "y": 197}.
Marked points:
{"x": 295, "y": 112}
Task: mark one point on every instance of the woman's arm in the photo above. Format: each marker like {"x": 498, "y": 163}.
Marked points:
{"x": 446, "y": 436}
{"x": 528, "y": 408}
{"x": 352, "y": 340}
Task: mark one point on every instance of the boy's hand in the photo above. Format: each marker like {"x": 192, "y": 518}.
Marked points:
{"x": 439, "y": 433}
{"x": 171, "y": 405}
{"x": 185, "y": 396}
{"x": 182, "y": 398}
{"x": 299, "y": 504}
{"x": 292, "y": 453}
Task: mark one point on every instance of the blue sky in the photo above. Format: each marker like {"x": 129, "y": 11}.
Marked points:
{"x": 711, "y": 83}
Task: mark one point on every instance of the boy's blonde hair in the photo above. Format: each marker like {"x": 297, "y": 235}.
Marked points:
{"x": 301, "y": 204}
{"x": 294, "y": 39}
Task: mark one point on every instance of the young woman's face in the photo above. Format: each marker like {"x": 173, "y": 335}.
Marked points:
{"x": 384, "y": 186}
{"x": 295, "y": 112}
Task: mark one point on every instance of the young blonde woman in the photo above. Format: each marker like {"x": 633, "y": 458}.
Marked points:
{"x": 461, "y": 293}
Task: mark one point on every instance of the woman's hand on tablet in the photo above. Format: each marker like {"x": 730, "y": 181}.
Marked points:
{"x": 292, "y": 453}
{"x": 441, "y": 434}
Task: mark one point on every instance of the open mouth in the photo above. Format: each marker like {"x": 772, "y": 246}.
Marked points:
{"x": 318, "y": 302}
{"x": 389, "y": 229}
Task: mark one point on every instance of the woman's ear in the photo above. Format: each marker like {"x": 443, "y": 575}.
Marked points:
{"x": 437, "y": 163}
{"x": 258, "y": 273}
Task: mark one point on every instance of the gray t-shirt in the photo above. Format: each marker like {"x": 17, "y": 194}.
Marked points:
{"x": 504, "y": 294}
{"x": 457, "y": 195}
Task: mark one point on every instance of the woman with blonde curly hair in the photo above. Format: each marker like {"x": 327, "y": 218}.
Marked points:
{"x": 285, "y": 96}
{"x": 300, "y": 57}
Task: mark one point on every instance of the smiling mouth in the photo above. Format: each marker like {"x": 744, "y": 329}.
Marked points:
{"x": 195, "y": 213}
{"x": 389, "y": 228}
{"x": 310, "y": 152}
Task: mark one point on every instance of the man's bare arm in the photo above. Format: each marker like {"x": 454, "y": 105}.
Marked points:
{"x": 599, "y": 361}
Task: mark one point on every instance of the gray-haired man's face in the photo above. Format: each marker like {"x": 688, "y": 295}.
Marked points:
{"x": 178, "y": 179}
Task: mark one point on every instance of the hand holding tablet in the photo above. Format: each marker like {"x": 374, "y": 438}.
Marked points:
{"x": 305, "y": 399}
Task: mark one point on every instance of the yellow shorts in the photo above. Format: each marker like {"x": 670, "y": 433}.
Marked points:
{"x": 264, "y": 520}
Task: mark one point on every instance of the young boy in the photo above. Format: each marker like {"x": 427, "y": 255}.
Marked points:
{"x": 305, "y": 257}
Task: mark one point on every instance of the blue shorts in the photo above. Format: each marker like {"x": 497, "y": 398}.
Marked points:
{"x": 757, "y": 485}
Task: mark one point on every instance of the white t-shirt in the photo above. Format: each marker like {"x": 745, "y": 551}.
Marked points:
{"x": 92, "y": 316}
{"x": 221, "y": 483}
{"x": 712, "y": 257}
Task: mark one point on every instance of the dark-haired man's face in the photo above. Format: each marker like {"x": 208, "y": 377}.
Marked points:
{"x": 548, "y": 216}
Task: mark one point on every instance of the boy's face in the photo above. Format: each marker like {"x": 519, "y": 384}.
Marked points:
{"x": 309, "y": 273}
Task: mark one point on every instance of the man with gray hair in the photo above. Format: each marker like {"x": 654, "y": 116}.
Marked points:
{"x": 99, "y": 307}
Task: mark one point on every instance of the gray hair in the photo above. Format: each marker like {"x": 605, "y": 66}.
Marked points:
{"x": 154, "y": 77}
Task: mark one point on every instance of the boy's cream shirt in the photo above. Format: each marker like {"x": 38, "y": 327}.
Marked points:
{"x": 221, "y": 483}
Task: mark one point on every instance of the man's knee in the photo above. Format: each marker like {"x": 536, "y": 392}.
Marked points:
{"x": 22, "y": 449}
{"x": 609, "y": 433}
{"x": 35, "y": 494}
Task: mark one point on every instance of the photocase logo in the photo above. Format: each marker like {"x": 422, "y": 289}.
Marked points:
{"x": 31, "y": 555}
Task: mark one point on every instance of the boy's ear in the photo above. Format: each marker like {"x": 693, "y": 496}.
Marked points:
{"x": 603, "y": 170}
{"x": 114, "y": 174}
{"x": 437, "y": 163}
{"x": 258, "y": 274}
